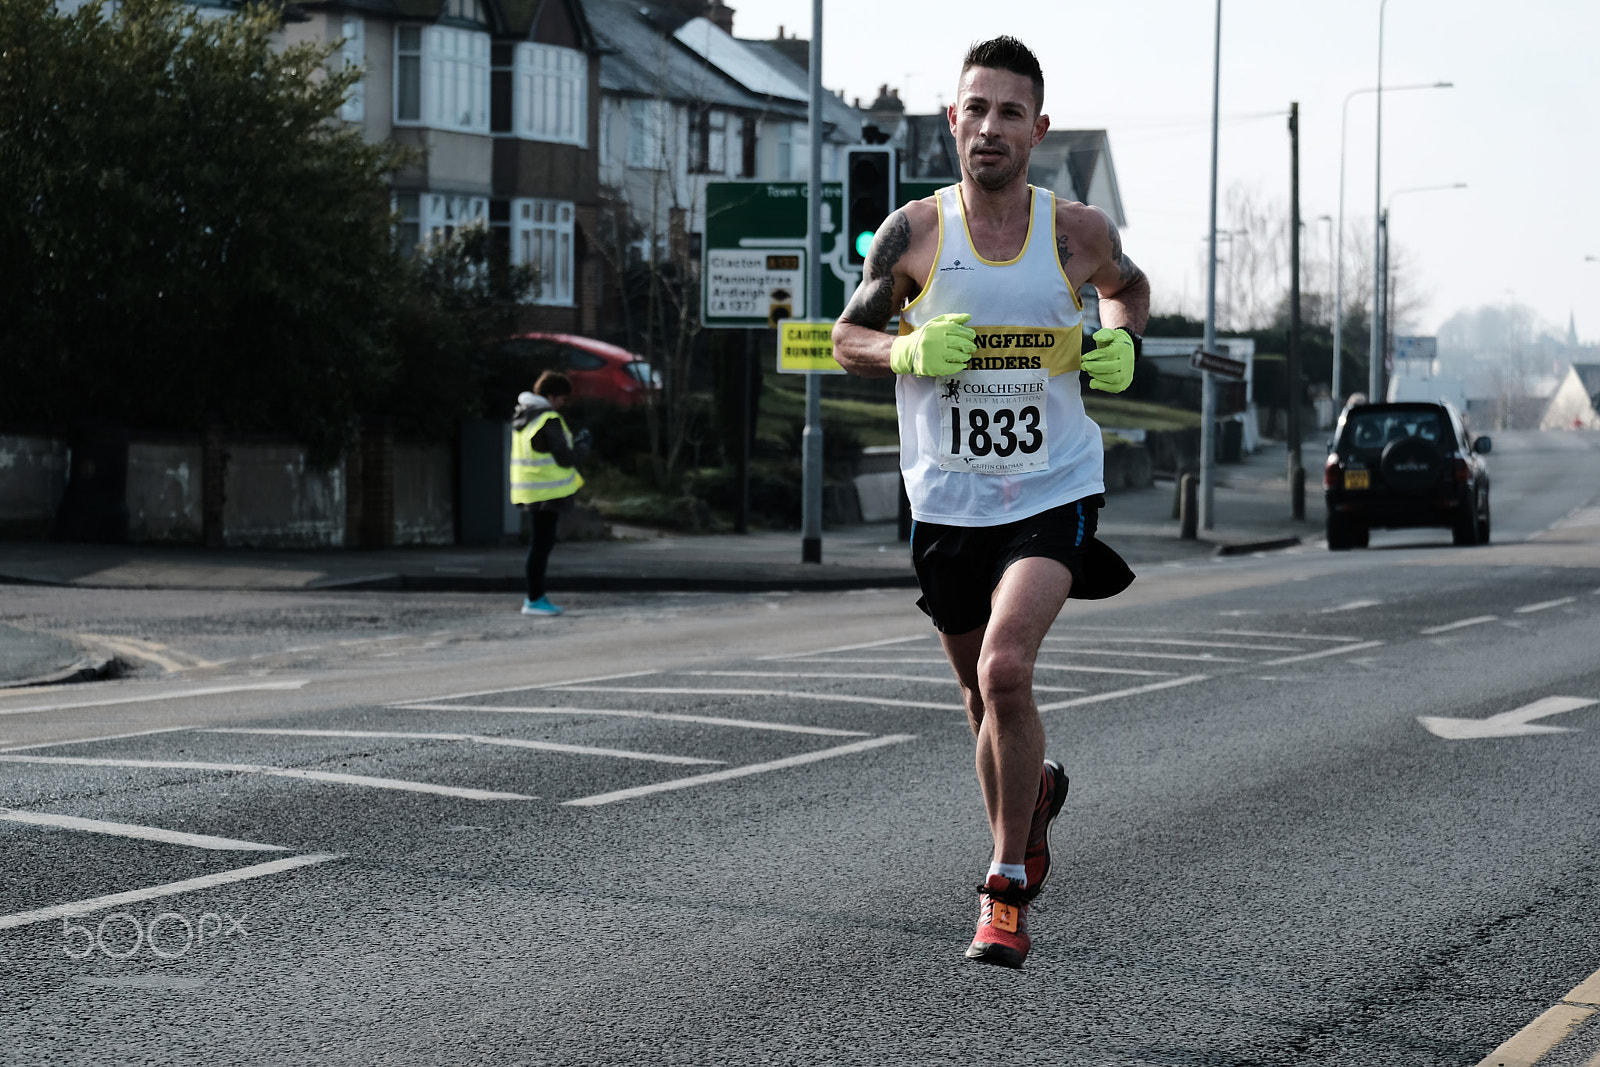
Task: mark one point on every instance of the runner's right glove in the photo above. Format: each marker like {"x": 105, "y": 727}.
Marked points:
{"x": 941, "y": 347}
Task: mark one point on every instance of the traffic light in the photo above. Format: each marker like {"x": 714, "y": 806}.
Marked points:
{"x": 870, "y": 190}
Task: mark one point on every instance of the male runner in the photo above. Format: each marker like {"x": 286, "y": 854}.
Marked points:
{"x": 1003, "y": 467}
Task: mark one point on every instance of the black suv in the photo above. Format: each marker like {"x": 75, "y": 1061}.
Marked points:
{"x": 1405, "y": 464}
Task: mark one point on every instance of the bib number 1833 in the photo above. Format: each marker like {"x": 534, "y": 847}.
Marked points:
{"x": 1000, "y": 432}
{"x": 993, "y": 422}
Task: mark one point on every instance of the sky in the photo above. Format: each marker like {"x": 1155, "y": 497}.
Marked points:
{"x": 1519, "y": 126}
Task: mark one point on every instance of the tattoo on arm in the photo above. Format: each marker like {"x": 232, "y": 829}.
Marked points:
{"x": 873, "y": 302}
{"x": 1063, "y": 253}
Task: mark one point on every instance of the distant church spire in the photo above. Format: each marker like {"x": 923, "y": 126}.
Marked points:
{"x": 1572, "y": 330}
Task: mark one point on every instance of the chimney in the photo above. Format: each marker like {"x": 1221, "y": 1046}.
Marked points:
{"x": 722, "y": 15}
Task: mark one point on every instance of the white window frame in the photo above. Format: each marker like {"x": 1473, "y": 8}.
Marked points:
{"x": 441, "y": 215}
{"x": 708, "y": 141}
{"x": 454, "y": 73}
{"x": 353, "y": 51}
{"x": 543, "y": 235}
{"x": 647, "y": 133}
{"x": 550, "y": 98}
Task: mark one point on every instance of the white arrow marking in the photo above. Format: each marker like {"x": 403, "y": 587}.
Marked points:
{"x": 1507, "y": 723}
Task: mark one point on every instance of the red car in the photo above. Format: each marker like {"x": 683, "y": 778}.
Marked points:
{"x": 599, "y": 371}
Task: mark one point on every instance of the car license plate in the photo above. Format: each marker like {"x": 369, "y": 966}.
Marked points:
{"x": 1357, "y": 479}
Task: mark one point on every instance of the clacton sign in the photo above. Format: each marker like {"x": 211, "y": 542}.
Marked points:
{"x": 753, "y": 283}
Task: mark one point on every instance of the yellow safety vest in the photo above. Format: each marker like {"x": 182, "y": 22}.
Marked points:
{"x": 536, "y": 476}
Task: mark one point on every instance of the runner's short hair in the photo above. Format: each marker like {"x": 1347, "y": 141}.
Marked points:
{"x": 1008, "y": 53}
{"x": 553, "y": 383}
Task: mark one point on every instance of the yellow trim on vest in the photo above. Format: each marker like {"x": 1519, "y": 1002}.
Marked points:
{"x": 962, "y": 204}
{"x": 1055, "y": 242}
{"x": 933, "y": 268}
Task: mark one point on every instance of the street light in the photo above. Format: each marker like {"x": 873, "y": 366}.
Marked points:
{"x": 1338, "y": 300}
{"x": 1383, "y": 269}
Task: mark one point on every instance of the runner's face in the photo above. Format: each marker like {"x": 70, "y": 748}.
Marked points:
{"x": 995, "y": 125}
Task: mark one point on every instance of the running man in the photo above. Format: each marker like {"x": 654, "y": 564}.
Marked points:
{"x": 1003, "y": 467}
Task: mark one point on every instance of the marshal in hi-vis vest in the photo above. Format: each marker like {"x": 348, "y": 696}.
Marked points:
{"x": 536, "y": 476}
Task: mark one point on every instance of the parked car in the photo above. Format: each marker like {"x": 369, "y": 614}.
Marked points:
{"x": 599, "y": 370}
{"x": 1405, "y": 464}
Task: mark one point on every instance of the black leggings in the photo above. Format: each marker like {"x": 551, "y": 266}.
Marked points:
{"x": 539, "y": 546}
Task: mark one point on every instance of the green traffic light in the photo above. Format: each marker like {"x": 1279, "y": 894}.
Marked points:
{"x": 864, "y": 242}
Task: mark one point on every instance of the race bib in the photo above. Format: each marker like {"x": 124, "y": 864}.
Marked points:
{"x": 992, "y": 421}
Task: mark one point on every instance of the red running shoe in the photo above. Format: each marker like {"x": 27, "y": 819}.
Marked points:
{"x": 1002, "y": 938}
{"x": 1052, "y": 794}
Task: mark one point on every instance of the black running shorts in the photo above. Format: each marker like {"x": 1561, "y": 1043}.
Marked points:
{"x": 958, "y": 567}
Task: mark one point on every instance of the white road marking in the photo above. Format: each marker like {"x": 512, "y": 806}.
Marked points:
{"x": 737, "y": 772}
{"x": 1352, "y": 605}
{"x": 143, "y": 833}
{"x": 1178, "y": 642}
{"x": 1514, "y": 723}
{"x": 945, "y": 681}
{"x": 188, "y": 885}
{"x": 524, "y": 688}
{"x": 1459, "y": 624}
{"x": 179, "y": 694}
{"x": 704, "y": 720}
{"x": 1206, "y": 657}
{"x": 280, "y": 772}
{"x": 850, "y": 648}
{"x": 1095, "y": 698}
{"x": 1526, "y": 608}
{"x": 1340, "y": 651}
{"x": 1040, "y": 666}
{"x": 786, "y": 694}
{"x": 478, "y": 739}
{"x": 99, "y": 737}
{"x": 1285, "y": 637}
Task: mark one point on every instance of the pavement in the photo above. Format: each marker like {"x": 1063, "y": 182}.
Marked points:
{"x": 1252, "y": 509}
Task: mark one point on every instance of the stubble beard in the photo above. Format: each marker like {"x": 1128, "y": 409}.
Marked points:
{"x": 996, "y": 176}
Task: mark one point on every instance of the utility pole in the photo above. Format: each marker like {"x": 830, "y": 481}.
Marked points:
{"x": 1208, "y": 382}
{"x": 1297, "y": 473}
{"x": 811, "y": 438}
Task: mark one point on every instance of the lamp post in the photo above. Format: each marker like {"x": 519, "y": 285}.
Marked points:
{"x": 1374, "y": 364}
{"x": 1338, "y": 299}
{"x": 1383, "y": 228}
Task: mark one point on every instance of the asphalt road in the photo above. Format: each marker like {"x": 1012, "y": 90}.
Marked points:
{"x": 744, "y": 829}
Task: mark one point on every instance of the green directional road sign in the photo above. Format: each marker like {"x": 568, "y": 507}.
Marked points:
{"x": 753, "y": 270}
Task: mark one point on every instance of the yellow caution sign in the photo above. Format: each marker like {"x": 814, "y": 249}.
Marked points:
{"x": 806, "y": 348}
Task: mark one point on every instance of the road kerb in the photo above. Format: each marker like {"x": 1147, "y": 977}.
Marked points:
{"x": 1534, "y": 1041}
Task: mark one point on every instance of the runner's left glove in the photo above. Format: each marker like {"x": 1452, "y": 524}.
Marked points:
{"x": 1110, "y": 365}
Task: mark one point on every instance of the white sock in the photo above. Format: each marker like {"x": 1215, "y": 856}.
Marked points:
{"x": 1014, "y": 871}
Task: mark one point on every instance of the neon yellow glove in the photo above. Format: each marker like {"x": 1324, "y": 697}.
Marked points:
{"x": 943, "y": 346}
{"x": 1110, "y": 365}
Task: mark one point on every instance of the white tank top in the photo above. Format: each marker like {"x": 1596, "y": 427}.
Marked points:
{"x": 1007, "y": 437}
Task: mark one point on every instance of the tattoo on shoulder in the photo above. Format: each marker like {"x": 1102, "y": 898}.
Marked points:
{"x": 873, "y": 302}
{"x": 1128, "y": 270}
{"x": 890, "y": 244}
{"x": 1063, "y": 253}
{"x": 1116, "y": 241}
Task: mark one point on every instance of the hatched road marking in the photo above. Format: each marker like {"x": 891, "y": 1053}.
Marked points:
{"x": 789, "y": 694}
{"x": 477, "y": 739}
{"x": 619, "y": 713}
{"x": 738, "y": 772}
{"x": 1459, "y": 624}
{"x": 134, "y": 896}
{"x": 280, "y": 772}
{"x": 1541, "y": 606}
{"x": 143, "y": 833}
{"x": 1340, "y": 651}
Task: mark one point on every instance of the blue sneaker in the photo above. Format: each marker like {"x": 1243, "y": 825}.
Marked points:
{"x": 542, "y": 606}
